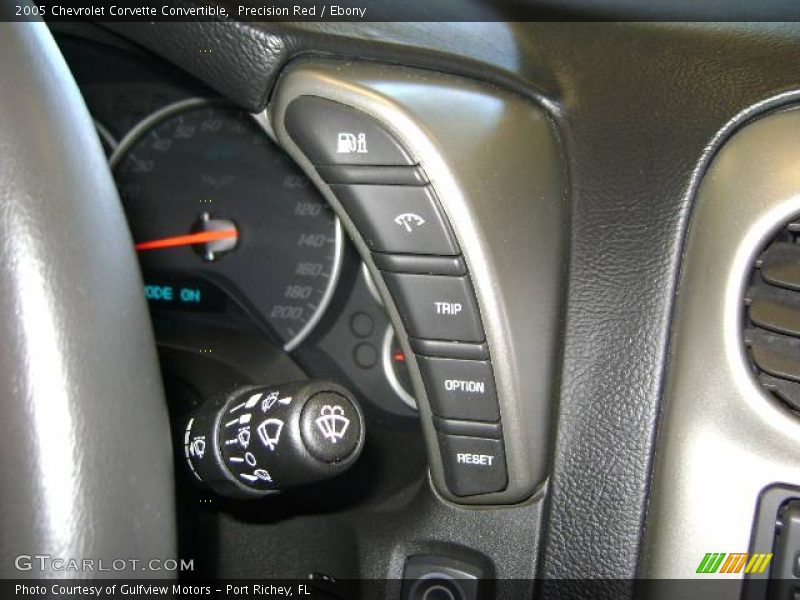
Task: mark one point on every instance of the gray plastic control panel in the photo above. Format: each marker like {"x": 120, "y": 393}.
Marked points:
{"x": 417, "y": 167}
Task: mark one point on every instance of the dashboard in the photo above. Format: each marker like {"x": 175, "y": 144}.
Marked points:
{"x": 254, "y": 273}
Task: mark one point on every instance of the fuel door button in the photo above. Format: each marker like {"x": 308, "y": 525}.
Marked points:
{"x": 460, "y": 389}
{"x": 332, "y": 133}
{"x": 436, "y": 306}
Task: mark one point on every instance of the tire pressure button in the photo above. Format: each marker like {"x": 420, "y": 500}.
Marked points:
{"x": 398, "y": 218}
{"x": 473, "y": 465}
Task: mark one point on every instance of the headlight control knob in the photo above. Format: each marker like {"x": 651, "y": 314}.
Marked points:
{"x": 263, "y": 439}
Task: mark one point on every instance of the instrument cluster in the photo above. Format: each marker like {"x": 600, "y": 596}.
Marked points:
{"x": 229, "y": 231}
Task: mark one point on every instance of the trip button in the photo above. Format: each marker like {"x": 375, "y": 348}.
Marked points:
{"x": 436, "y": 306}
{"x": 473, "y": 465}
{"x": 331, "y": 133}
{"x": 460, "y": 389}
{"x": 398, "y": 218}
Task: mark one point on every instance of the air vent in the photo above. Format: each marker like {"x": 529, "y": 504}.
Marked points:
{"x": 772, "y": 316}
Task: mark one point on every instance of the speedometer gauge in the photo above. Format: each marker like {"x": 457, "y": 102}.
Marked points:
{"x": 215, "y": 208}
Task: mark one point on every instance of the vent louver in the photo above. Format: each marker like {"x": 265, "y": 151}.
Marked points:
{"x": 772, "y": 316}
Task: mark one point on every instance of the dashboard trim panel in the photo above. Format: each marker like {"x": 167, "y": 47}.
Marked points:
{"x": 476, "y": 144}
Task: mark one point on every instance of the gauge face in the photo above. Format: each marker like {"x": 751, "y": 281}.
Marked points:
{"x": 209, "y": 197}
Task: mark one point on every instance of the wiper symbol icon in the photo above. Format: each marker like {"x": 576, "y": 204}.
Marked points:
{"x": 270, "y": 432}
{"x": 332, "y": 423}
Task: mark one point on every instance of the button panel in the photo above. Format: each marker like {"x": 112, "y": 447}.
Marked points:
{"x": 436, "y": 306}
{"x": 394, "y": 207}
{"x": 473, "y": 465}
{"x": 460, "y": 389}
{"x": 398, "y": 218}
{"x": 331, "y": 133}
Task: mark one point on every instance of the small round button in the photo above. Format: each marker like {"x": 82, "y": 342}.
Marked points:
{"x": 362, "y": 324}
{"x": 438, "y": 592}
{"x": 330, "y": 427}
{"x": 436, "y": 586}
{"x": 365, "y": 355}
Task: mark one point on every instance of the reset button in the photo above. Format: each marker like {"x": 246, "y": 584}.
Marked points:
{"x": 473, "y": 465}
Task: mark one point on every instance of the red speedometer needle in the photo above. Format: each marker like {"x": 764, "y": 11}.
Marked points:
{"x": 201, "y": 237}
